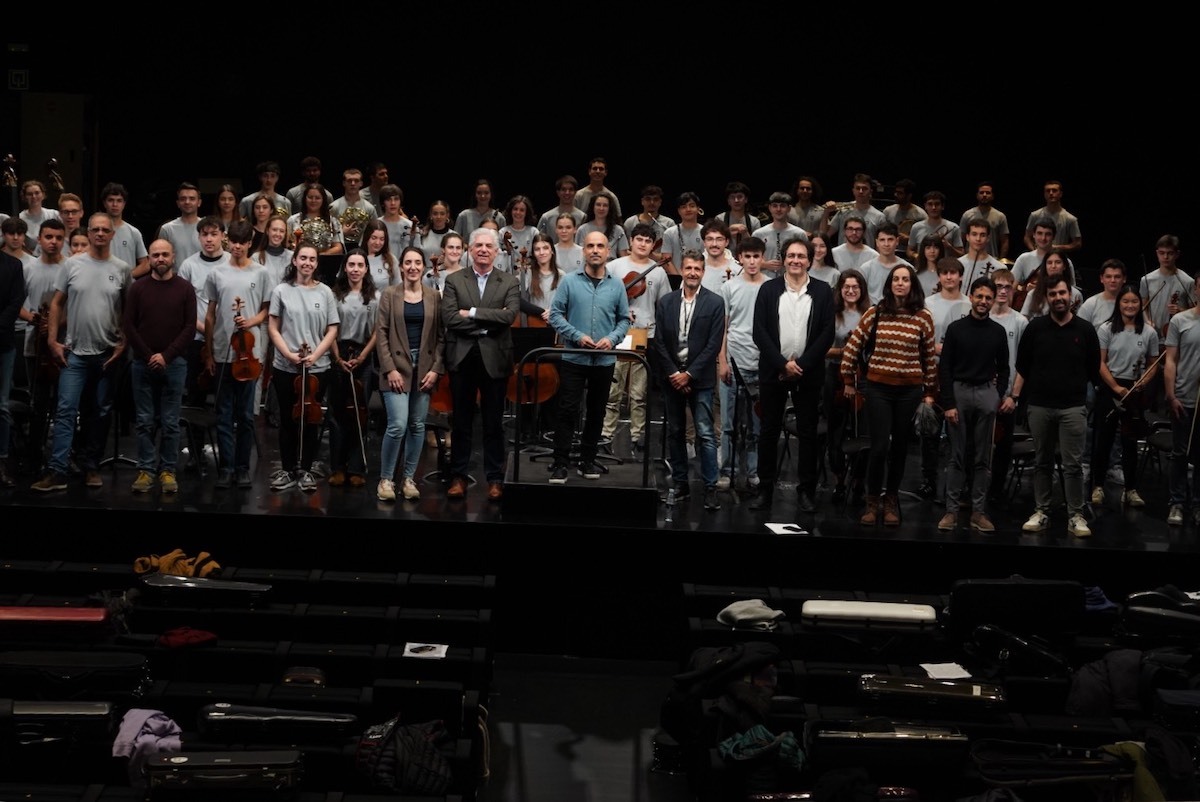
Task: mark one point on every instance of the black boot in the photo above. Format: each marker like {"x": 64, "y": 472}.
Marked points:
{"x": 763, "y": 500}
{"x": 6, "y": 479}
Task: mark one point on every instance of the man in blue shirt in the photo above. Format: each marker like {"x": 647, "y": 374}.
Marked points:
{"x": 591, "y": 311}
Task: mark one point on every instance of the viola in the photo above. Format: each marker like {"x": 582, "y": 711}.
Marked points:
{"x": 243, "y": 364}
{"x": 307, "y": 408}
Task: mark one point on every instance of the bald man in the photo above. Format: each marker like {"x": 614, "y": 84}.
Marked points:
{"x": 590, "y": 311}
{"x": 159, "y": 322}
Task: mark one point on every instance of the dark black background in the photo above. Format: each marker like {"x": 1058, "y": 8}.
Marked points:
{"x": 446, "y": 102}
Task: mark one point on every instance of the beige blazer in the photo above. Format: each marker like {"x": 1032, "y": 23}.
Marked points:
{"x": 391, "y": 336}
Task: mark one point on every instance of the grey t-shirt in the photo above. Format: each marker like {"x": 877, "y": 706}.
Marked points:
{"x": 1128, "y": 352}
{"x": 1183, "y": 333}
{"x": 356, "y": 319}
{"x": 195, "y": 270}
{"x": 305, "y": 314}
{"x": 226, "y": 283}
{"x": 94, "y": 291}
{"x": 739, "y": 296}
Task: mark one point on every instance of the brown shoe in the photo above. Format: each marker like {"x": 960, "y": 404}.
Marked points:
{"x": 356, "y": 480}
{"x": 891, "y": 510}
{"x": 458, "y": 488}
{"x": 871, "y": 516}
{"x": 948, "y": 522}
{"x": 92, "y": 479}
{"x": 981, "y": 523}
{"x": 495, "y": 491}
{"x": 337, "y": 479}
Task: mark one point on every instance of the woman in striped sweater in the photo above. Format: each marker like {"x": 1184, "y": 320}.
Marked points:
{"x": 896, "y": 342}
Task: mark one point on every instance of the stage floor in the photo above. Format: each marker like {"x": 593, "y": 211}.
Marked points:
{"x": 620, "y": 499}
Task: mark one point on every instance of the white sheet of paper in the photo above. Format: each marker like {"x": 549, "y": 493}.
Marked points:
{"x": 626, "y": 344}
{"x": 787, "y": 529}
{"x": 945, "y": 671}
{"x": 426, "y": 651}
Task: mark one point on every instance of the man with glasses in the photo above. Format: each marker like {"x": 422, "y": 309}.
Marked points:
{"x": 90, "y": 290}
{"x": 852, "y": 253}
{"x": 835, "y": 219}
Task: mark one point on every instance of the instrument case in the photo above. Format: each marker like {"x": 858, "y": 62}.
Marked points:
{"x": 1023, "y": 763}
{"x": 1047, "y": 607}
{"x": 838, "y": 614}
{"x": 66, "y": 740}
{"x": 18, "y": 623}
{"x": 899, "y": 750}
{"x": 231, "y": 723}
{"x": 1165, "y": 614}
{"x": 170, "y": 589}
{"x": 119, "y": 677}
{"x": 186, "y": 775}
{"x": 928, "y": 695}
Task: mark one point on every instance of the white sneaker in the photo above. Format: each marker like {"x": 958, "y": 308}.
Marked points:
{"x": 409, "y": 489}
{"x": 1134, "y": 499}
{"x": 723, "y": 483}
{"x": 1078, "y": 526}
{"x": 282, "y": 480}
{"x": 754, "y": 481}
{"x": 1175, "y": 516}
{"x": 1037, "y": 522}
{"x": 1097, "y": 495}
{"x": 386, "y": 491}
{"x": 306, "y": 481}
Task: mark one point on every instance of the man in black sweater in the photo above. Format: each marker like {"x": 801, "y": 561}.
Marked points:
{"x": 1058, "y": 357}
{"x": 971, "y": 373}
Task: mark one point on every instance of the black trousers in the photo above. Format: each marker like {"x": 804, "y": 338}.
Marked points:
{"x": 469, "y": 381}
{"x": 806, "y": 397}
{"x": 574, "y": 380}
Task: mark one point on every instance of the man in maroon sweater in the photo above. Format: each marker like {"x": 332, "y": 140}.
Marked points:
{"x": 160, "y": 322}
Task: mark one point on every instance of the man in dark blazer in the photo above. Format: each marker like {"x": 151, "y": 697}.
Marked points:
{"x": 689, "y": 328}
{"x": 793, "y": 329}
{"x": 479, "y": 305}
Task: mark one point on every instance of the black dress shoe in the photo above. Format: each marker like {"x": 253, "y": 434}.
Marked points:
{"x": 804, "y": 501}
{"x": 762, "y": 501}
{"x": 839, "y": 494}
{"x": 927, "y": 490}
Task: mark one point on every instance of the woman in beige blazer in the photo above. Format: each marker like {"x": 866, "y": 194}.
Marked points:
{"x": 409, "y": 342}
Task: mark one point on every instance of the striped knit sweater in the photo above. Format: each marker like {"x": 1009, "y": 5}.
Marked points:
{"x": 897, "y": 356}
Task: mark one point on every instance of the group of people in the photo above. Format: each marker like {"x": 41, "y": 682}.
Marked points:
{"x": 841, "y": 311}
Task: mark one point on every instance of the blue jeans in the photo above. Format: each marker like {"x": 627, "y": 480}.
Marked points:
{"x": 83, "y": 374}
{"x": 749, "y": 441}
{"x": 235, "y": 420}
{"x": 157, "y": 396}
{"x": 6, "y": 371}
{"x": 405, "y": 423}
{"x": 700, "y": 403}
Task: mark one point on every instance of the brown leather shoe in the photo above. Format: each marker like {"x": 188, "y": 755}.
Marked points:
{"x": 495, "y": 491}
{"x": 458, "y": 488}
{"x": 870, "y": 515}
{"x": 337, "y": 479}
{"x": 357, "y": 480}
{"x": 891, "y": 510}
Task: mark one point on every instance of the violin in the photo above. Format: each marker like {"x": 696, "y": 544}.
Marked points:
{"x": 307, "y": 408}
{"x": 243, "y": 364}
{"x": 635, "y": 283}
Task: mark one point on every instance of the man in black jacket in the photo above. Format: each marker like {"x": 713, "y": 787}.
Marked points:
{"x": 793, "y": 329}
{"x": 689, "y": 328}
